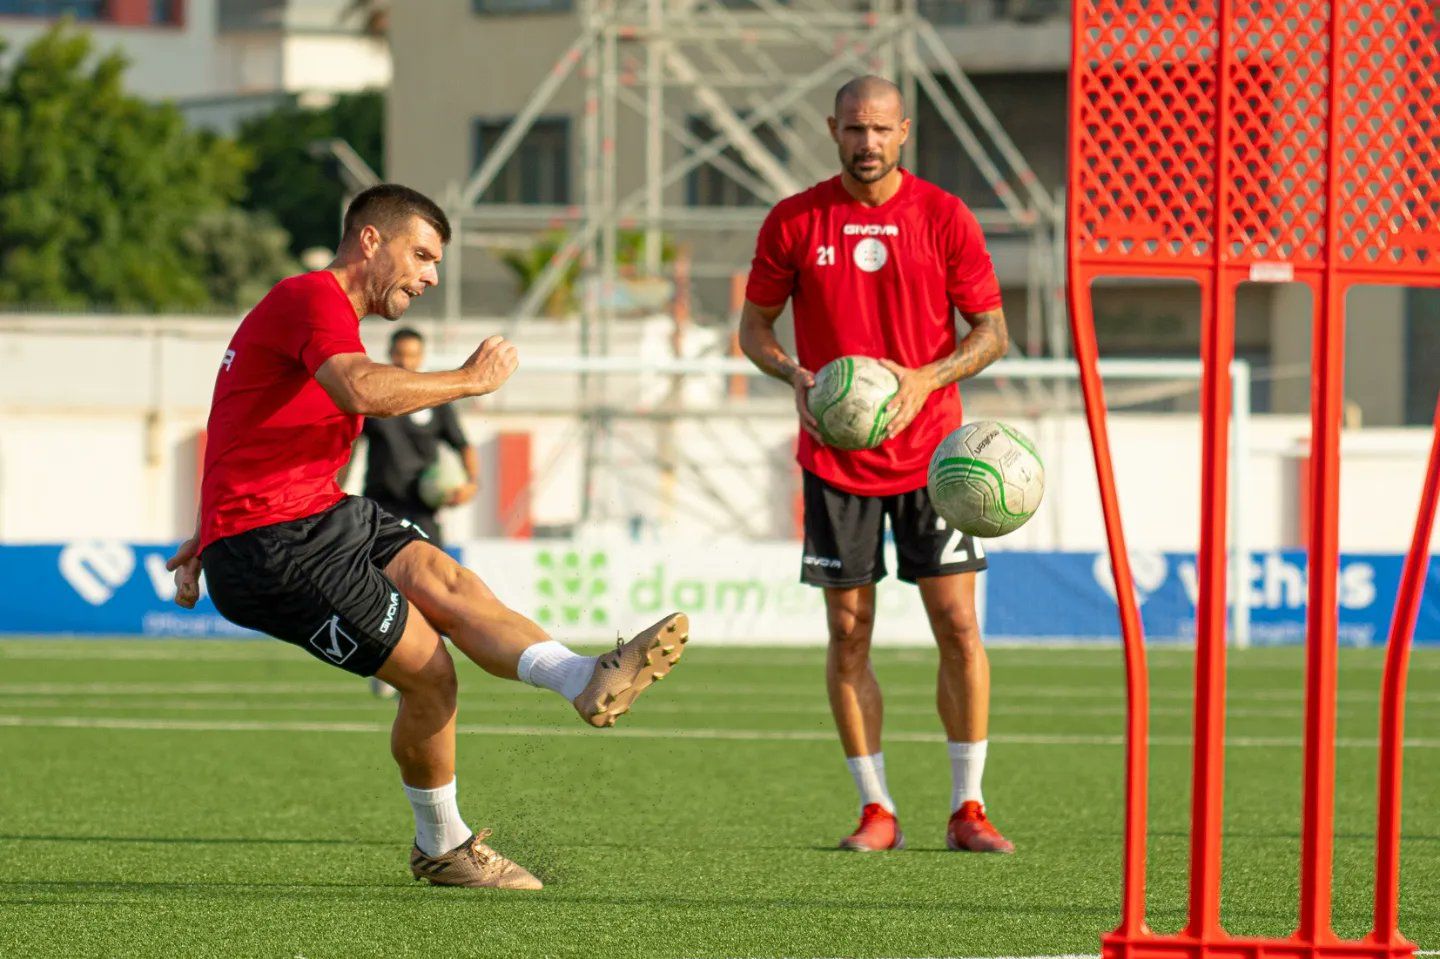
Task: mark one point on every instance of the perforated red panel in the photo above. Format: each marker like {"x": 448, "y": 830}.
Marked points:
{"x": 1277, "y": 132}
{"x": 1150, "y": 153}
{"x": 1389, "y": 101}
{"x": 1145, "y": 168}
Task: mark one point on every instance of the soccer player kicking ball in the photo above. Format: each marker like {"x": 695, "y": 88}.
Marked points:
{"x": 876, "y": 261}
{"x": 285, "y": 552}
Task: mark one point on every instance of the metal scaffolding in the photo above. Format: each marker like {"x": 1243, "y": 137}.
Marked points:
{"x": 758, "y": 74}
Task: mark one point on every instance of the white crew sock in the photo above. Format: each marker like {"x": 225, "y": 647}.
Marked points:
{"x": 967, "y": 768}
{"x": 438, "y": 826}
{"x": 551, "y": 666}
{"x": 869, "y": 773}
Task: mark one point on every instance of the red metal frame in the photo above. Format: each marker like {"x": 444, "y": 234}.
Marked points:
{"x": 1220, "y": 141}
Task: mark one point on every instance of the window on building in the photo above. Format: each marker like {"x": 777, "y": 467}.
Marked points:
{"x": 523, "y": 6}
{"x": 164, "y": 11}
{"x": 79, "y": 9}
{"x": 708, "y": 185}
{"x": 539, "y": 169}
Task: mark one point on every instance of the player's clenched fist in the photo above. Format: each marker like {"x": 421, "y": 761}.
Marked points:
{"x": 185, "y": 564}
{"x": 491, "y": 365}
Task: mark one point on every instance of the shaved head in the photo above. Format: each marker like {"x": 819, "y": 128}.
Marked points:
{"x": 868, "y": 88}
{"x": 869, "y": 128}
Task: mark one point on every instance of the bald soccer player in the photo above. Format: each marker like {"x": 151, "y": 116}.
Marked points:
{"x": 876, "y": 261}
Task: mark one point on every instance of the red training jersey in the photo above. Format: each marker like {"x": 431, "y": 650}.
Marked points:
{"x": 879, "y": 281}
{"x": 276, "y": 439}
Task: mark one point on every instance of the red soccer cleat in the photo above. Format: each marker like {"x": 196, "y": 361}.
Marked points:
{"x": 879, "y": 830}
{"x": 970, "y": 831}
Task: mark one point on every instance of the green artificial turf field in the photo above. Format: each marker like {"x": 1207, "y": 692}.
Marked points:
{"x": 211, "y": 798}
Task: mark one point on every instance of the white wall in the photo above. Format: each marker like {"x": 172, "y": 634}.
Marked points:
{"x": 97, "y": 438}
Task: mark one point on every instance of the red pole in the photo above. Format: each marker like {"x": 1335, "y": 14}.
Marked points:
{"x": 1217, "y": 350}
{"x": 1322, "y": 627}
{"x": 1327, "y": 364}
{"x": 1208, "y": 764}
{"x": 1392, "y": 704}
{"x": 1137, "y": 689}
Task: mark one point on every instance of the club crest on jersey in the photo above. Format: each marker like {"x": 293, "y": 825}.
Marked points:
{"x": 870, "y": 254}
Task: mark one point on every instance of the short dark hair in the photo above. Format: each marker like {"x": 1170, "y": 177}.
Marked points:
{"x": 405, "y": 333}
{"x": 386, "y": 207}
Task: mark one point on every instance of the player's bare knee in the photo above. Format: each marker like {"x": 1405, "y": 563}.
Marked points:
{"x": 850, "y": 634}
{"x": 850, "y": 627}
{"x": 439, "y": 678}
{"x": 432, "y": 683}
{"x": 959, "y": 638}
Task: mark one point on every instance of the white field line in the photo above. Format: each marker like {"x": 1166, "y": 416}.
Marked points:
{"x": 763, "y": 690}
{"x": 742, "y": 735}
{"x": 1068, "y": 655}
{"x": 362, "y": 702}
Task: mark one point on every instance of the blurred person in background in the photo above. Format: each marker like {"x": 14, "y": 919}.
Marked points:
{"x": 402, "y": 457}
{"x": 402, "y": 461}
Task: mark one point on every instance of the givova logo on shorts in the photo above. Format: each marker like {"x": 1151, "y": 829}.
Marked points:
{"x": 333, "y": 642}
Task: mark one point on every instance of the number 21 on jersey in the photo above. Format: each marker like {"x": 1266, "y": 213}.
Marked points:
{"x": 824, "y": 256}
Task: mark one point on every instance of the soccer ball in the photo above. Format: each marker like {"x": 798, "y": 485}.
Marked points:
{"x": 848, "y": 401}
{"x": 439, "y": 480}
{"x": 986, "y": 479}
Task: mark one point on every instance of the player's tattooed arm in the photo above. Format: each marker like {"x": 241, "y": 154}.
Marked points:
{"x": 759, "y": 344}
{"x": 986, "y": 342}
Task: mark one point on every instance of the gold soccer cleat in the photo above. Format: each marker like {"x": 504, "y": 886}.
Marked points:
{"x": 472, "y": 864}
{"x": 629, "y": 670}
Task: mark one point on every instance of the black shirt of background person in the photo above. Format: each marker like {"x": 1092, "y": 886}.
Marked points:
{"x": 400, "y": 448}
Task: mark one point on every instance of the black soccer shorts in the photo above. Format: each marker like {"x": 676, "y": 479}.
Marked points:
{"x": 845, "y": 537}
{"x": 317, "y": 582}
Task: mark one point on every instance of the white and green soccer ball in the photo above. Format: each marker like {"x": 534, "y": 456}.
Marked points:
{"x": 440, "y": 479}
{"x": 986, "y": 479}
{"x": 848, "y": 401}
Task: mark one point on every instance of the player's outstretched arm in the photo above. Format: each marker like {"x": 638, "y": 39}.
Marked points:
{"x": 987, "y": 341}
{"x": 758, "y": 343}
{"x": 359, "y": 385}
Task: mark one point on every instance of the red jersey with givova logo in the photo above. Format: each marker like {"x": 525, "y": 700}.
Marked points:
{"x": 878, "y": 281}
{"x": 276, "y": 439}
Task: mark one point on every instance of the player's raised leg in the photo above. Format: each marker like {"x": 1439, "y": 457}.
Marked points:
{"x": 446, "y": 851}
{"x": 962, "y": 697}
{"x": 508, "y": 645}
{"x": 859, "y": 711}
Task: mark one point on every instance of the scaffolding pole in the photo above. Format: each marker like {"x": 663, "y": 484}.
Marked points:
{"x": 758, "y": 76}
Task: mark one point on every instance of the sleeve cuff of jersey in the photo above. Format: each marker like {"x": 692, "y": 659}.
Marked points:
{"x": 315, "y": 356}
{"x": 766, "y": 296}
{"x": 985, "y": 306}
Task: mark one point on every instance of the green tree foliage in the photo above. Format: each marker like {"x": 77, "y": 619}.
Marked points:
{"x": 241, "y": 254}
{"x": 98, "y": 188}
{"x": 300, "y": 190}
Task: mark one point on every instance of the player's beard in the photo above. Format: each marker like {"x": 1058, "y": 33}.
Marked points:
{"x": 397, "y": 301}
{"x": 879, "y": 173}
